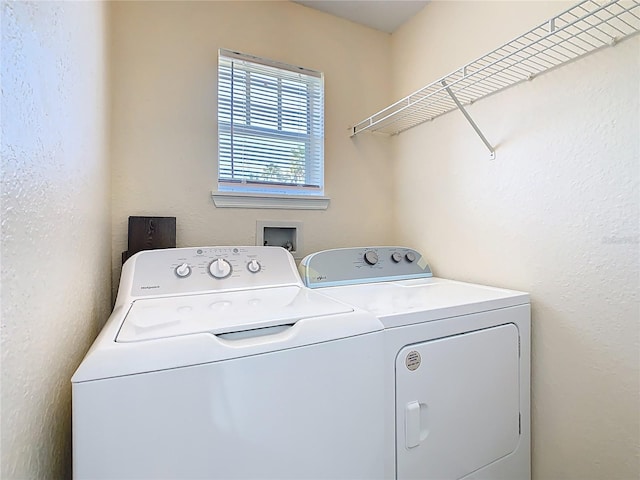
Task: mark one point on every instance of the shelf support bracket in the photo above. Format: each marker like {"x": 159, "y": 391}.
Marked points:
{"x": 492, "y": 152}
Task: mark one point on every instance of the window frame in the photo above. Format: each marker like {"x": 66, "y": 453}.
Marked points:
{"x": 263, "y": 193}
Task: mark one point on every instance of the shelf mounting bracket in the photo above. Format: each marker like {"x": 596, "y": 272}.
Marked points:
{"x": 492, "y": 152}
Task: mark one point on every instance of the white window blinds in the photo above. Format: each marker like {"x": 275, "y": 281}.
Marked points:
{"x": 270, "y": 126}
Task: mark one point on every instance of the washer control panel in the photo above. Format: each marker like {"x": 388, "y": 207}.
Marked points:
{"x": 192, "y": 270}
{"x": 346, "y": 266}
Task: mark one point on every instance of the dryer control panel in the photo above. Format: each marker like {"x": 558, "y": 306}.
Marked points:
{"x": 205, "y": 269}
{"x": 346, "y": 266}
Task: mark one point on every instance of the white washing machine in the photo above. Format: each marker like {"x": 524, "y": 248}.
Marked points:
{"x": 217, "y": 363}
{"x": 457, "y": 363}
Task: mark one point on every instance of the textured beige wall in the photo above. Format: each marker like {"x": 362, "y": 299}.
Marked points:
{"x": 446, "y": 34}
{"x": 164, "y": 130}
{"x": 555, "y": 214}
{"x": 55, "y": 223}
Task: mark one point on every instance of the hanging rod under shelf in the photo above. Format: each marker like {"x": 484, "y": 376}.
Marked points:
{"x": 578, "y": 31}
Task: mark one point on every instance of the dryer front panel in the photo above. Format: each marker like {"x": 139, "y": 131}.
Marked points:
{"x": 457, "y": 403}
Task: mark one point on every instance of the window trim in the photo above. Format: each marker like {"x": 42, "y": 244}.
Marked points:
{"x": 263, "y": 200}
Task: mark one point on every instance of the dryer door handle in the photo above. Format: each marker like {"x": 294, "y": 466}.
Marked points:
{"x": 415, "y": 423}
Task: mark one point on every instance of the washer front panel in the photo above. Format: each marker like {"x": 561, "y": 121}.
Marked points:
{"x": 314, "y": 412}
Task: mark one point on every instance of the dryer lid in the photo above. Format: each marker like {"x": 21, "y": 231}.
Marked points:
{"x": 221, "y": 313}
{"x": 416, "y": 301}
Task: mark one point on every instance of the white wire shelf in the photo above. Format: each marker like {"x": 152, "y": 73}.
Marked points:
{"x": 578, "y": 31}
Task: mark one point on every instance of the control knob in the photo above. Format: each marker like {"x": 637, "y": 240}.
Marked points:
{"x": 396, "y": 257}
{"x": 371, "y": 257}
{"x": 254, "y": 266}
{"x": 220, "y": 268}
{"x": 410, "y": 256}
{"x": 183, "y": 270}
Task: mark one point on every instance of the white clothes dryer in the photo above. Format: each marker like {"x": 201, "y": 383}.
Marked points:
{"x": 218, "y": 363}
{"x": 457, "y": 363}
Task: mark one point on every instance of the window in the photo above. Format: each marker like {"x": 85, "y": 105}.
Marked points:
{"x": 270, "y": 127}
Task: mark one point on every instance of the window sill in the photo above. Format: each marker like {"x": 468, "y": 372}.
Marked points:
{"x": 255, "y": 200}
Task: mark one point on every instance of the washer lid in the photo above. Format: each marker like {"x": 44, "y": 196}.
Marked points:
{"x": 220, "y": 313}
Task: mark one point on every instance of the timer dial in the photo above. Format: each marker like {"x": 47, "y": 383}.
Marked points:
{"x": 220, "y": 268}
{"x": 371, "y": 257}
